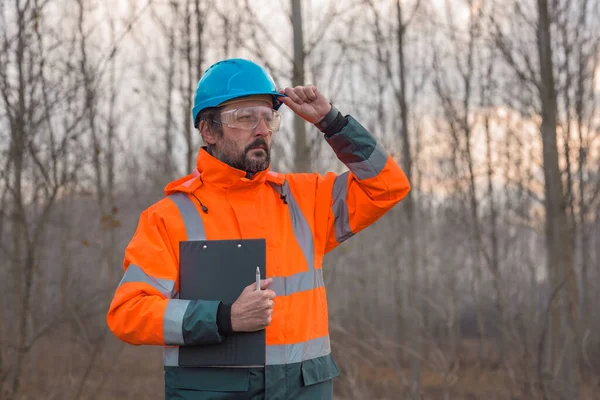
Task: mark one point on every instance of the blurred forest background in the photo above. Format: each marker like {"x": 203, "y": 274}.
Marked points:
{"x": 482, "y": 284}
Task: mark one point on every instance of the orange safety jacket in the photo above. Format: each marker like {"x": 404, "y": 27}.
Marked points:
{"x": 301, "y": 216}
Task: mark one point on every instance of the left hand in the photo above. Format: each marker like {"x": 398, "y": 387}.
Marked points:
{"x": 307, "y": 102}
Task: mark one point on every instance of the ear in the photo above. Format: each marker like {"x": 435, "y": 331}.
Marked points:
{"x": 208, "y": 135}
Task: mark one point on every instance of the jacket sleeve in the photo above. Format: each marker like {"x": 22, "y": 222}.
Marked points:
{"x": 143, "y": 309}
{"x": 371, "y": 187}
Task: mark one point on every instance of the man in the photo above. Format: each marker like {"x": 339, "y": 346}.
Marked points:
{"x": 232, "y": 194}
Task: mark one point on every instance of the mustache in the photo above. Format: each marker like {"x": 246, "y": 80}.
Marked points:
{"x": 258, "y": 142}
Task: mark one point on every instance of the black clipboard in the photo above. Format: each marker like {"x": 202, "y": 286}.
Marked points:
{"x": 220, "y": 270}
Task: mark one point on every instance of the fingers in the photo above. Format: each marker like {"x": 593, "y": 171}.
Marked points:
{"x": 263, "y": 299}
{"x": 268, "y": 305}
{"x": 293, "y": 96}
{"x": 299, "y": 94}
{"x": 269, "y": 314}
{"x": 310, "y": 92}
{"x": 265, "y": 283}
{"x": 292, "y": 105}
{"x": 299, "y": 91}
{"x": 288, "y": 102}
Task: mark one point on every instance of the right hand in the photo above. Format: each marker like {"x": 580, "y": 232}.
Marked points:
{"x": 252, "y": 311}
{"x": 307, "y": 102}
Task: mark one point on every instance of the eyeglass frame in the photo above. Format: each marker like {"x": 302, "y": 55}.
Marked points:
{"x": 274, "y": 112}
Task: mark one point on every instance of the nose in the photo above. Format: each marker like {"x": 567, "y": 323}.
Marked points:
{"x": 262, "y": 129}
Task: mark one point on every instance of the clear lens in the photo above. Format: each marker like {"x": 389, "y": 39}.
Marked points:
{"x": 250, "y": 117}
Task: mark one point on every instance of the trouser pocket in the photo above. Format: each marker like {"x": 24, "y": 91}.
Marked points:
{"x": 183, "y": 383}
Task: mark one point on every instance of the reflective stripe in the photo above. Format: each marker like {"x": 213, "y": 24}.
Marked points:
{"x": 297, "y": 352}
{"x": 302, "y": 231}
{"x": 286, "y": 285}
{"x": 194, "y": 227}
{"x": 136, "y": 274}
{"x": 171, "y": 357}
{"x": 171, "y": 354}
{"x": 372, "y": 166}
{"x": 340, "y": 208}
{"x": 275, "y": 354}
{"x": 173, "y": 321}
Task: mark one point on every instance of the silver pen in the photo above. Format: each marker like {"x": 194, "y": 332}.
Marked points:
{"x": 257, "y": 279}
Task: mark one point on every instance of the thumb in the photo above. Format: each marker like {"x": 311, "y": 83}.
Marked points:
{"x": 265, "y": 283}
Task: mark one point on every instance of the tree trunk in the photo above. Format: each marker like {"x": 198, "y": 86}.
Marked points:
{"x": 5, "y": 276}
{"x": 199, "y": 42}
{"x": 493, "y": 260}
{"x": 302, "y": 160}
{"x": 199, "y": 19}
{"x": 567, "y": 132}
{"x": 90, "y": 107}
{"x": 111, "y": 252}
{"x": 186, "y": 86}
{"x": 583, "y": 59}
{"x": 413, "y": 303}
{"x": 22, "y": 273}
{"x": 560, "y": 262}
{"x": 169, "y": 165}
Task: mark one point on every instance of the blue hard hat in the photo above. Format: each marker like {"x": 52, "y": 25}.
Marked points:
{"x": 230, "y": 79}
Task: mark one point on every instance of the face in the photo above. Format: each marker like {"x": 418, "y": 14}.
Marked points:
{"x": 243, "y": 148}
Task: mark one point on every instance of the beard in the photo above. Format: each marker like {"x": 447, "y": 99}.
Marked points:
{"x": 227, "y": 152}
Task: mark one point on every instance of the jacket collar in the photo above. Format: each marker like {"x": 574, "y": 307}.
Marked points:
{"x": 214, "y": 171}
{"x": 210, "y": 170}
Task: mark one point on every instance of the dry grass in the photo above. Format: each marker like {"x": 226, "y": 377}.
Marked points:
{"x": 373, "y": 374}
{"x": 126, "y": 372}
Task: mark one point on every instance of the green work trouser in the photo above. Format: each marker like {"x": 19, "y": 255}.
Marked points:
{"x": 312, "y": 379}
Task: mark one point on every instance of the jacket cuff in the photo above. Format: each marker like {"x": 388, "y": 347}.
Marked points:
{"x": 332, "y": 122}
{"x": 224, "y": 319}
{"x": 200, "y": 323}
{"x": 336, "y": 126}
{"x": 359, "y": 150}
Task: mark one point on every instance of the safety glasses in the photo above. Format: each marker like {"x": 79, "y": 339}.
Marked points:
{"x": 250, "y": 117}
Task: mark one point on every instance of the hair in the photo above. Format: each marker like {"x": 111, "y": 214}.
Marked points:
{"x": 212, "y": 116}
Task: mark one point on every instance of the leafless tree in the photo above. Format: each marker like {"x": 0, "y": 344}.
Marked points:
{"x": 564, "y": 317}
{"x": 391, "y": 55}
{"x": 38, "y": 163}
{"x": 461, "y": 114}
{"x": 192, "y": 53}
